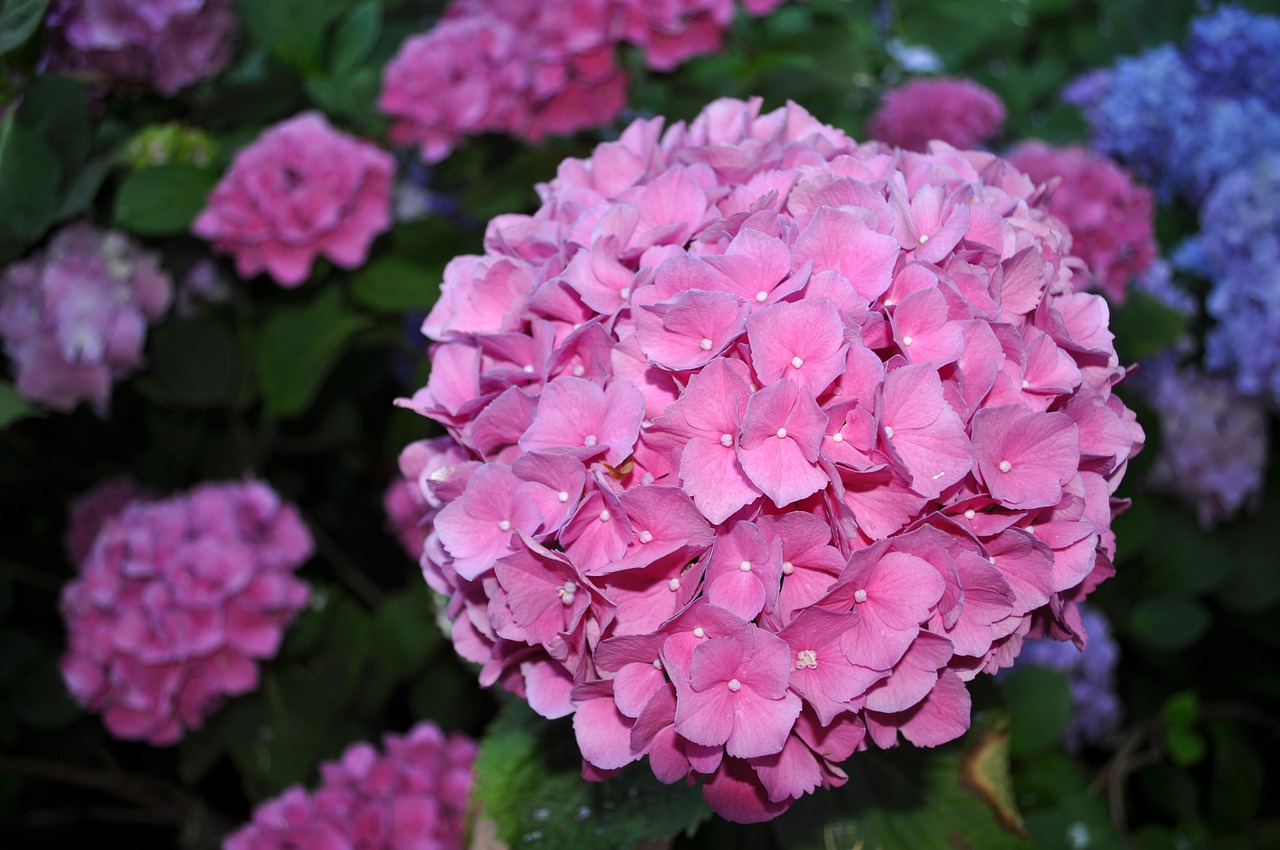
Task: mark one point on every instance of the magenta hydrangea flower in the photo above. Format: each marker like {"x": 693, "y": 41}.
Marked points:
{"x": 412, "y": 796}
{"x": 958, "y": 111}
{"x": 74, "y": 316}
{"x": 763, "y": 443}
{"x": 536, "y": 69}
{"x": 176, "y": 603}
{"x": 167, "y": 44}
{"x": 1111, "y": 218}
{"x": 300, "y": 191}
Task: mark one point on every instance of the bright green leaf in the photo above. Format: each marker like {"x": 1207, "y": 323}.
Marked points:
{"x": 298, "y": 347}
{"x": 12, "y": 406}
{"x": 356, "y": 34}
{"x": 18, "y": 20}
{"x": 1169, "y": 621}
{"x": 395, "y": 286}
{"x": 162, "y": 201}
{"x": 528, "y": 783}
{"x": 1180, "y": 713}
{"x": 1039, "y": 701}
{"x": 906, "y": 799}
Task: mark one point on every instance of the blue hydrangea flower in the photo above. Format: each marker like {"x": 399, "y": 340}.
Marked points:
{"x": 1236, "y": 54}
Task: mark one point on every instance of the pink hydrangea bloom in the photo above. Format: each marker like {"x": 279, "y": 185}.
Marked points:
{"x": 175, "y": 604}
{"x": 74, "y": 316}
{"x": 167, "y": 44}
{"x": 92, "y": 509}
{"x": 300, "y": 191}
{"x": 412, "y": 796}
{"x": 535, "y": 69}
{"x": 751, "y": 421}
{"x": 960, "y": 112}
{"x": 1111, "y": 218}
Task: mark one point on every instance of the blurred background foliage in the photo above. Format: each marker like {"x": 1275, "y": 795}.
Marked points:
{"x": 296, "y": 387}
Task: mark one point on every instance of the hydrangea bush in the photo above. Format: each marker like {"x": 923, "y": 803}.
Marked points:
{"x": 177, "y": 602}
{"x": 764, "y": 443}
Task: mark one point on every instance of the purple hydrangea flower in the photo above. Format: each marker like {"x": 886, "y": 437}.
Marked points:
{"x": 176, "y": 603}
{"x": 1213, "y": 450}
{"x": 1236, "y": 54}
{"x": 167, "y": 44}
{"x": 1095, "y": 708}
{"x": 74, "y": 317}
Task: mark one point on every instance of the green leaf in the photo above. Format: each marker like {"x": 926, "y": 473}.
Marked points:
{"x": 1039, "y": 701}
{"x": 355, "y": 37}
{"x": 351, "y": 96}
{"x": 18, "y": 20}
{"x": 293, "y": 30}
{"x": 196, "y": 362}
{"x": 395, "y": 286}
{"x": 1180, "y": 713}
{"x": 30, "y": 175}
{"x": 528, "y": 783}
{"x": 1058, "y": 806}
{"x": 83, "y": 189}
{"x": 1143, "y": 326}
{"x": 57, "y": 110}
{"x": 406, "y": 634}
{"x": 12, "y": 406}
{"x": 162, "y": 201}
{"x": 1238, "y": 777}
{"x": 957, "y": 796}
{"x": 298, "y": 347}
{"x": 1169, "y": 621}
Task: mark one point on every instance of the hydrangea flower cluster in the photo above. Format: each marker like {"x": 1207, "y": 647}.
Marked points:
{"x": 960, "y": 112}
{"x": 177, "y": 601}
{"x": 1095, "y": 708}
{"x": 414, "y": 796}
{"x": 1213, "y": 447}
{"x": 762, "y": 443}
{"x": 535, "y": 69}
{"x": 1110, "y": 217}
{"x": 74, "y": 316}
{"x": 300, "y": 191}
{"x": 166, "y": 44}
{"x": 94, "y": 508}
{"x": 1182, "y": 119}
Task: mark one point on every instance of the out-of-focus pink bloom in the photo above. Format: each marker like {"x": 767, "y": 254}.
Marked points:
{"x": 751, "y": 421}
{"x": 537, "y": 69}
{"x": 167, "y": 44}
{"x": 960, "y": 112}
{"x": 414, "y": 795}
{"x": 74, "y": 316}
{"x": 300, "y": 191}
{"x": 92, "y": 509}
{"x": 1111, "y": 218}
{"x": 177, "y": 601}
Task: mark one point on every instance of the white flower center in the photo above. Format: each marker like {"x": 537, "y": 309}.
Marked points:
{"x": 646, "y": 536}
{"x": 504, "y": 524}
{"x": 579, "y": 370}
{"x": 837, "y": 437}
{"x": 726, "y": 440}
{"x": 705, "y": 344}
{"x": 888, "y": 431}
{"x": 1025, "y": 383}
{"x": 563, "y": 495}
{"x": 673, "y": 585}
{"x": 745, "y": 566}
{"x": 527, "y": 368}
{"x": 605, "y": 516}
{"x": 699, "y": 632}
{"x": 806, "y": 658}
{"x": 1005, "y": 466}
{"x": 625, "y": 292}
{"x": 566, "y": 592}
{"x": 657, "y": 664}
{"x": 762, "y": 297}
{"x": 924, "y": 237}
{"x": 590, "y": 440}
{"x": 906, "y": 340}
{"x": 797, "y": 362}
{"x": 970, "y": 514}
{"x": 859, "y": 595}
{"x": 782, "y": 433}
{"x": 735, "y": 685}
{"x": 788, "y": 568}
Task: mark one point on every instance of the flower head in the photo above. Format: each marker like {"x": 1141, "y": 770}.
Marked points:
{"x": 413, "y": 794}
{"x": 74, "y": 317}
{"x": 168, "y": 44}
{"x": 300, "y": 191}
{"x": 762, "y": 443}
{"x": 960, "y": 112}
{"x": 175, "y": 604}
